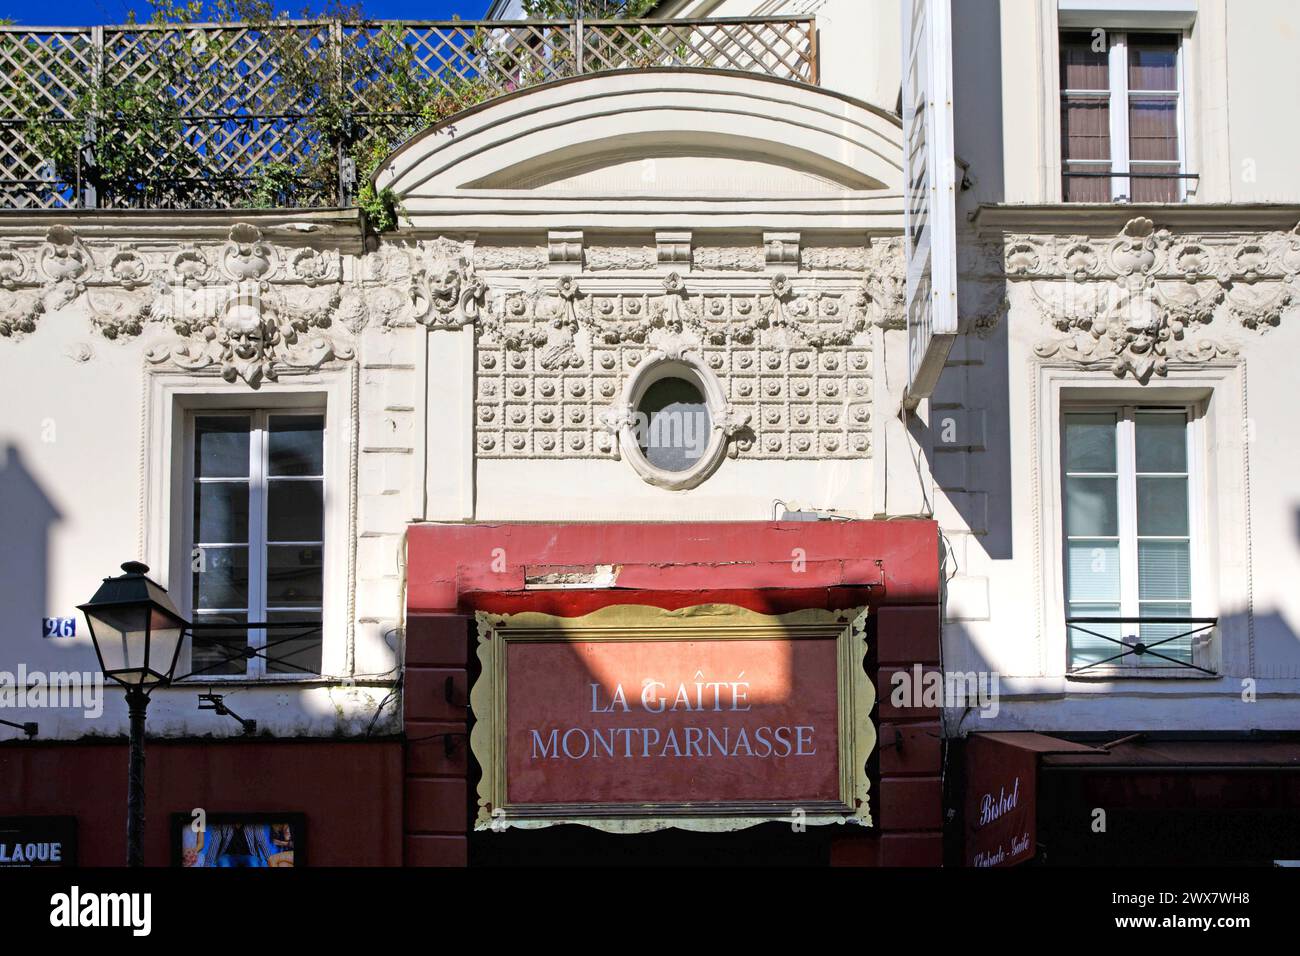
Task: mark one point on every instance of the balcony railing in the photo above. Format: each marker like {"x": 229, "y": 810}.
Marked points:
{"x": 1154, "y": 641}
{"x": 226, "y": 648}
{"x": 1141, "y": 187}
{"x": 296, "y": 112}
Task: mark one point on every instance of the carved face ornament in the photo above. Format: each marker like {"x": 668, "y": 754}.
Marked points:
{"x": 444, "y": 285}
{"x": 245, "y": 338}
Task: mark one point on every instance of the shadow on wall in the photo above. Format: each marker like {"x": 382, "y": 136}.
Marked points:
{"x": 964, "y": 658}
{"x": 1277, "y": 646}
{"x": 1276, "y": 658}
{"x": 967, "y": 442}
{"x": 27, "y": 517}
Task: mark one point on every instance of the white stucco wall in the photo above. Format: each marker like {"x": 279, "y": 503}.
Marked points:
{"x": 1004, "y": 611}
{"x": 90, "y": 468}
{"x": 1238, "y": 60}
{"x": 1003, "y": 608}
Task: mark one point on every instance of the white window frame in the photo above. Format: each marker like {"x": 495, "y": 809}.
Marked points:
{"x": 1118, "y": 100}
{"x": 259, "y": 479}
{"x": 171, "y": 394}
{"x": 1127, "y": 475}
{"x": 1217, "y": 391}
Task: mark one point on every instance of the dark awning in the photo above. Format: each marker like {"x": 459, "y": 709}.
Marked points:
{"x": 1171, "y": 754}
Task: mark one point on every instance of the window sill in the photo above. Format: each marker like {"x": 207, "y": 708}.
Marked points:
{"x": 1138, "y": 673}
{"x": 292, "y": 680}
{"x": 1127, "y": 203}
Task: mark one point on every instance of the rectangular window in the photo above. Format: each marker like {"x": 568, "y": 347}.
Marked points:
{"x": 257, "y": 539}
{"x": 1121, "y": 116}
{"x": 1129, "y": 533}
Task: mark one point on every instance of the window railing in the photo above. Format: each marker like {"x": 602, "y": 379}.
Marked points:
{"x": 1139, "y": 643}
{"x": 285, "y": 645}
{"x": 1105, "y": 195}
{"x": 297, "y": 112}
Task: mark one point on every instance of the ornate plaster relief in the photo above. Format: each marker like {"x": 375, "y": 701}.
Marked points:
{"x": 1137, "y": 301}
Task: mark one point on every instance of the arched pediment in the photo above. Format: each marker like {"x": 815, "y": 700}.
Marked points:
{"x": 648, "y": 148}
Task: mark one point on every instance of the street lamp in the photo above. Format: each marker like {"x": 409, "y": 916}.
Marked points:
{"x": 137, "y": 634}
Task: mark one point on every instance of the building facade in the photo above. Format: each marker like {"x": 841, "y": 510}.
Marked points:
{"x": 594, "y": 491}
{"x": 1116, "y": 435}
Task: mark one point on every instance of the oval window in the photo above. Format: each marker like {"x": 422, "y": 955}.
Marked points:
{"x": 673, "y": 424}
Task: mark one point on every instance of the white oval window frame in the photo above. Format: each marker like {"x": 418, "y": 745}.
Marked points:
{"x": 722, "y": 422}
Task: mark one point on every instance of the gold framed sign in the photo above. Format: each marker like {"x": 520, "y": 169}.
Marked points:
{"x": 635, "y": 718}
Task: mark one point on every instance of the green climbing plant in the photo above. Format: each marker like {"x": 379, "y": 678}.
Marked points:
{"x": 346, "y": 92}
{"x": 588, "y": 9}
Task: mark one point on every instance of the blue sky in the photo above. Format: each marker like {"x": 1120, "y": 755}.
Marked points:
{"x": 93, "y": 12}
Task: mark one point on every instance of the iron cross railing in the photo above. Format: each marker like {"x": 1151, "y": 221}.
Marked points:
{"x": 230, "y": 643}
{"x": 1137, "y": 648}
{"x": 195, "y": 115}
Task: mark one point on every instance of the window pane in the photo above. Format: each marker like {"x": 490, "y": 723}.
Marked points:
{"x": 293, "y": 576}
{"x": 222, "y": 581}
{"x": 1164, "y": 570}
{"x": 221, "y": 446}
{"x": 676, "y": 428}
{"x": 1089, "y": 442}
{"x": 219, "y": 650}
{"x": 1157, "y": 189}
{"x": 1153, "y": 129}
{"x": 1162, "y": 506}
{"x": 1092, "y": 571}
{"x": 1090, "y": 507}
{"x": 1088, "y": 642}
{"x": 1082, "y": 66}
{"x": 1085, "y": 129}
{"x": 1078, "y": 188}
{"x": 293, "y": 650}
{"x": 297, "y": 444}
{"x": 1179, "y": 648}
{"x": 295, "y": 511}
{"x": 1085, "y": 119}
{"x": 220, "y": 512}
{"x": 1161, "y": 442}
{"x": 1152, "y": 61}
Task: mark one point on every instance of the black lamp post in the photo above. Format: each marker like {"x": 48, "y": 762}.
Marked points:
{"x": 137, "y": 634}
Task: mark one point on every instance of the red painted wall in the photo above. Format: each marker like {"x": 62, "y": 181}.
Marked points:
{"x": 351, "y": 793}
{"x": 456, "y": 569}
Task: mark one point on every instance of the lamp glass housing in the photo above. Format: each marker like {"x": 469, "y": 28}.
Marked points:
{"x": 136, "y": 630}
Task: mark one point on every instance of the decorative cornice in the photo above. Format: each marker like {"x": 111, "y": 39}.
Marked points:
{"x": 344, "y": 228}
{"x": 254, "y": 333}
{"x": 1146, "y": 296}
{"x": 248, "y": 305}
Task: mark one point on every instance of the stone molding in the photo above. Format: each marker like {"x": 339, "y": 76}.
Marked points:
{"x": 248, "y": 306}
{"x": 1136, "y": 301}
{"x": 789, "y": 342}
{"x": 791, "y": 355}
